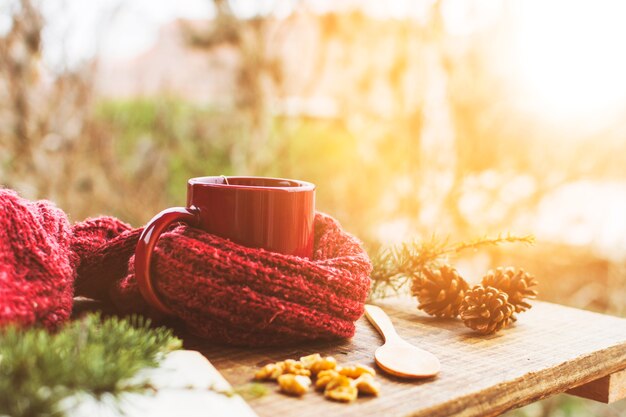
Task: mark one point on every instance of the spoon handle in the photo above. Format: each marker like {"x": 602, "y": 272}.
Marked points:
{"x": 381, "y": 321}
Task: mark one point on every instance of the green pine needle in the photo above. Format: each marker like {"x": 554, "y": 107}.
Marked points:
{"x": 94, "y": 356}
{"x": 396, "y": 266}
{"x": 492, "y": 241}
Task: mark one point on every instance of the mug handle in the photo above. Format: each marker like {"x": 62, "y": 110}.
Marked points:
{"x": 147, "y": 242}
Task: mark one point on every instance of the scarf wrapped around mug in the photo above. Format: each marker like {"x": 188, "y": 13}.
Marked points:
{"x": 220, "y": 290}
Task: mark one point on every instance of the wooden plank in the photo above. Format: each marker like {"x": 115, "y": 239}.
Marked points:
{"x": 549, "y": 350}
{"x": 608, "y": 389}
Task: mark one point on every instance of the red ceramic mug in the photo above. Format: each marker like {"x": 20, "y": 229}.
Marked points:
{"x": 271, "y": 213}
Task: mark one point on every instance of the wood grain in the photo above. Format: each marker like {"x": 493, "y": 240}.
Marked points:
{"x": 549, "y": 350}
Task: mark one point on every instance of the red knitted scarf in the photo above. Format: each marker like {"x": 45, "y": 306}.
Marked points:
{"x": 220, "y": 290}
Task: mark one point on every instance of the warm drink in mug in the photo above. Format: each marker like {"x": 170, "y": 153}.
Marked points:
{"x": 271, "y": 213}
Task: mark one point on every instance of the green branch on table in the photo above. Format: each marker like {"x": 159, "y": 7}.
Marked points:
{"x": 93, "y": 356}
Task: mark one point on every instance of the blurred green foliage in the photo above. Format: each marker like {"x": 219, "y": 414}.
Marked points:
{"x": 189, "y": 140}
{"x": 326, "y": 153}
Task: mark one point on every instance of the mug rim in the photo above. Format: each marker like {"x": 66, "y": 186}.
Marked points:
{"x": 301, "y": 187}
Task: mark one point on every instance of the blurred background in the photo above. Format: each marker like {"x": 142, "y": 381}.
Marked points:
{"x": 459, "y": 118}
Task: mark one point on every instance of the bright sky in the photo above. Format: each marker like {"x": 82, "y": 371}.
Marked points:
{"x": 118, "y": 29}
{"x": 569, "y": 54}
{"x": 571, "y": 58}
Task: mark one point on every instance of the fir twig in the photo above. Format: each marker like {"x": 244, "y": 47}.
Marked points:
{"x": 396, "y": 266}
{"x": 491, "y": 241}
{"x": 90, "y": 356}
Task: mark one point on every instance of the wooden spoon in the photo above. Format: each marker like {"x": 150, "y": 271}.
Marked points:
{"x": 397, "y": 356}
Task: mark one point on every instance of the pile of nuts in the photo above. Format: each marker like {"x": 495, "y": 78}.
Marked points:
{"x": 339, "y": 383}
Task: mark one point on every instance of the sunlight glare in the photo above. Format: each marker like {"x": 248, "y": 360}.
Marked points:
{"x": 572, "y": 60}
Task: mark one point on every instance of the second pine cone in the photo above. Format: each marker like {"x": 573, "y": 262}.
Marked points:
{"x": 486, "y": 309}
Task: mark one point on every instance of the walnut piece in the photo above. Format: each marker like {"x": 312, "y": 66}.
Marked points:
{"x": 295, "y": 367}
{"x": 344, "y": 393}
{"x": 323, "y": 364}
{"x": 324, "y": 377}
{"x": 338, "y": 383}
{"x": 308, "y": 361}
{"x": 366, "y": 385}
{"x": 355, "y": 371}
{"x": 271, "y": 371}
{"x": 296, "y": 385}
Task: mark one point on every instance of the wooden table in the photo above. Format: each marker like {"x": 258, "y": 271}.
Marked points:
{"x": 550, "y": 350}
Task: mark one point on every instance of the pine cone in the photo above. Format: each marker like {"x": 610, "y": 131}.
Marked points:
{"x": 518, "y": 285}
{"x": 440, "y": 291}
{"x": 486, "y": 309}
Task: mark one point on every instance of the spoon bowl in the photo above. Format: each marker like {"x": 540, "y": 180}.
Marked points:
{"x": 397, "y": 356}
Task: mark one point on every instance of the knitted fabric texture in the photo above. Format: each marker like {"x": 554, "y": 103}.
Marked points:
{"x": 37, "y": 269}
{"x": 220, "y": 290}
